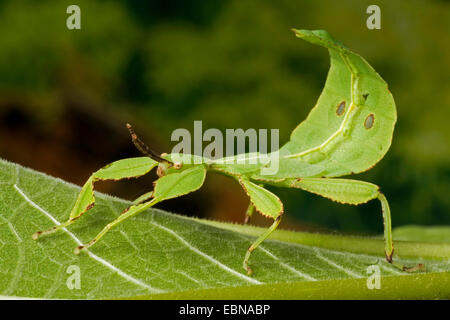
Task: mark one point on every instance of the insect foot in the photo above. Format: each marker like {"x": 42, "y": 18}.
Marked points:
{"x": 36, "y": 235}
{"x": 248, "y": 269}
{"x": 78, "y": 249}
{"x": 247, "y": 256}
{"x": 418, "y": 267}
{"x": 389, "y": 257}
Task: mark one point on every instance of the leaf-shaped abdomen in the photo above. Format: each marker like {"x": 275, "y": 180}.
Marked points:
{"x": 350, "y": 128}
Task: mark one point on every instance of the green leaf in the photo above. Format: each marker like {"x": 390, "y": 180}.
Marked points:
{"x": 161, "y": 255}
{"x": 425, "y": 234}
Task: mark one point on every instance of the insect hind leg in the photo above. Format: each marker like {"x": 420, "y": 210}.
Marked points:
{"x": 355, "y": 192}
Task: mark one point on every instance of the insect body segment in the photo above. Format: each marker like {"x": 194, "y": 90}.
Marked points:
{"x": 335, "y": 133}
{"x": 348, "y": 131}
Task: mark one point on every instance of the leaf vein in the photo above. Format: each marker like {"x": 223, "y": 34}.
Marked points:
{"x": 105, "y": 263}
{"x": 285, "y": 265}
{"x": 204, "y": 255}
{"x": 337, "y": 266}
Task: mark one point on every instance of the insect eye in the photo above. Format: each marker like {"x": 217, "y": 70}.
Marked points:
{"x": 368, "y": 123}
{"x": 340, "y": 108}
{"x": 161, "y": 170}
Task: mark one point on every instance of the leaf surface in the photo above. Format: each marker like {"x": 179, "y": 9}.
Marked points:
{"x": 161, "y": 255}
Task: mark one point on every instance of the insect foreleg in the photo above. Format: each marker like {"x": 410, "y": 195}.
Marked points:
{"x": 170, "y": 186}
{"x": 354, "y": 192}
{"x": 126, "y": 168}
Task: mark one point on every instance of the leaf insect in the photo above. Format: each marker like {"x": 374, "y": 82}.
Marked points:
{"x": 348, "y": 131}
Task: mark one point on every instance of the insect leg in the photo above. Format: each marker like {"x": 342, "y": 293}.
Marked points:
{"x": 126, "y": 168}
{"x": 249, "y": 212}
{"x": 266, "y": 203}
{"x": 170, "y": 186}
{"x": 129, "y": 212}
{"x": 354, "y": 192}
{"x": 258, "y": 241}
{"x": 143, "y": 198}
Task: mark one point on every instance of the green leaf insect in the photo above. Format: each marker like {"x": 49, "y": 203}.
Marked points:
{"x": 348, "y": 131}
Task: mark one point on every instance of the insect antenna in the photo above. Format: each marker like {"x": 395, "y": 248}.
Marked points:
{"x": 142, "y": 147}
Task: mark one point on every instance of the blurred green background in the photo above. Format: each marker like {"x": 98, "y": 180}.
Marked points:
{"x": 66, "y": 95}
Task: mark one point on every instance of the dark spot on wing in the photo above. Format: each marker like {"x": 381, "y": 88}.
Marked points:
{"x": 368, "y": 123}
{"x": 340, "y": 108}
{"x": 365, "y": 95}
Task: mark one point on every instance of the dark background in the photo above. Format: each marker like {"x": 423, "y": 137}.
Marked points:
{"x": 65, "y": 96}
